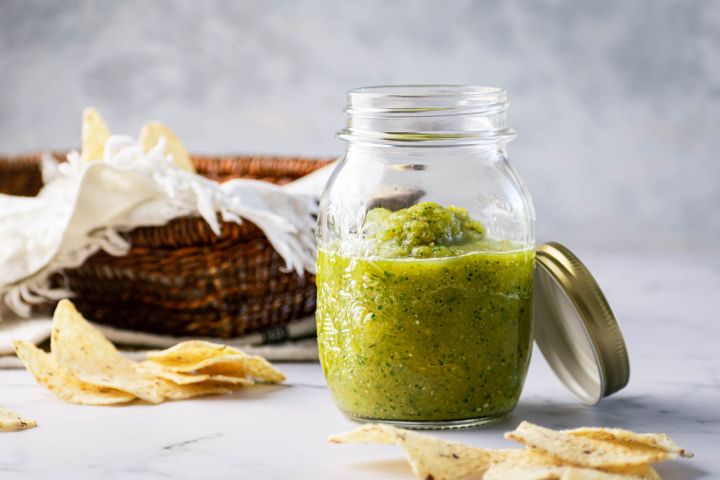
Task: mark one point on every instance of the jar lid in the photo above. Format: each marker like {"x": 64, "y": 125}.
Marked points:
{"x": 574, "y": 327}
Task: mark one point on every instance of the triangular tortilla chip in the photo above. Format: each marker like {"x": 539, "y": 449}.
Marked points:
{"x": 91, "y": 358}
{"x": 62, "y": 383}
{"x": 150, "y": 136}
{"x": 95, "y": 134}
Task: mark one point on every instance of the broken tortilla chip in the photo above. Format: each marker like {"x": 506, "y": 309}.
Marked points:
{"x": 11, "y": 421}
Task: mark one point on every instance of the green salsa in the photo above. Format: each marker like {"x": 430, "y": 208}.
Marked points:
{"x": 428, "y": 320}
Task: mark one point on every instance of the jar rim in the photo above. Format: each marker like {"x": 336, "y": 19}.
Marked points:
{"x": 427, "y": 115}
{"x": 440, "y": 99}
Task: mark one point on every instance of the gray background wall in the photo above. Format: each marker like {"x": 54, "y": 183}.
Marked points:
{"x": 617, "y": 103}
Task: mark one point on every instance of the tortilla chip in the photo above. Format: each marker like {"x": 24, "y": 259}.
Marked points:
{"x": 182, "y": 378}
{"x": 249, "y": 366}
{"x": 91, "y": 358}
{"x": 61, "y": 382}
{"x": 95, "y": 134}
{"x": 216, "y": 360}
{"x": 178, "y": 378}
{"x": 84, "y": 367}
{"x": 617, "y": 436}
{"x": 231, "y": 359}
{"x": 263, "y": 371}
{"x": 429, "y": 458}
{"x": 505, "y": 471}
{"x": 639, "y": 472}
{"x": 151, "y": 134}
{"x": 189, "y": 356}
{"x": 586, "y": 452}
{"x": 173, "y": 391}
{"x": 238, "y": 381}
{"x": 437, "y": 459}
{"x": 530, "y": 464}
{"x": 11, "y": 421}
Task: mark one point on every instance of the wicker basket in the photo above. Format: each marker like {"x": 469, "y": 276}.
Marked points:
{"x": 180, "y": 278}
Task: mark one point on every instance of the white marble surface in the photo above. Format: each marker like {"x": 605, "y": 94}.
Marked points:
{"x": 667, "y": 306}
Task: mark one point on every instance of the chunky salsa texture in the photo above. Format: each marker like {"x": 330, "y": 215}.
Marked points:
{"x": 431, "y": 322}
{"x": 422, "y": 231}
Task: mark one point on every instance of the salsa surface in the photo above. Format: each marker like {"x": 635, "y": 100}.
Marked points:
{"x": 430, "y": 322}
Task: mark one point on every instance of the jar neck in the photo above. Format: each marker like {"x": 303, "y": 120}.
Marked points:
{"x": 443, "y": 115}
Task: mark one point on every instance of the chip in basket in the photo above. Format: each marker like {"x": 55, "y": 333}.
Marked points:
{"x": 151, "y": 134}
{"x": 95, "y": 133}
{"x": 84, "y": 367}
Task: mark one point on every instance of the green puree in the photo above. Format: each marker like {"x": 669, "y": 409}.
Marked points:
{"x": 429, "y": 321}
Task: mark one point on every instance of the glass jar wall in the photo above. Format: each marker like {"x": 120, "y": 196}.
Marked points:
{"x": 425, "y": 260}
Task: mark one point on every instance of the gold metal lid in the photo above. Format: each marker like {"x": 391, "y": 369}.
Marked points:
{"x": 574, "y": 327}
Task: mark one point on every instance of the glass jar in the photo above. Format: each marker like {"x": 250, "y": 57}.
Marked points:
{"x": 425, "y": 260}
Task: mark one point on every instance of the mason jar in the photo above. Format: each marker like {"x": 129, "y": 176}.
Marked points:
{"x": 426, "y": 255}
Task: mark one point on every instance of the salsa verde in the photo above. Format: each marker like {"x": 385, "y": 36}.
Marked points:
{"x": 428, "y": 320}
